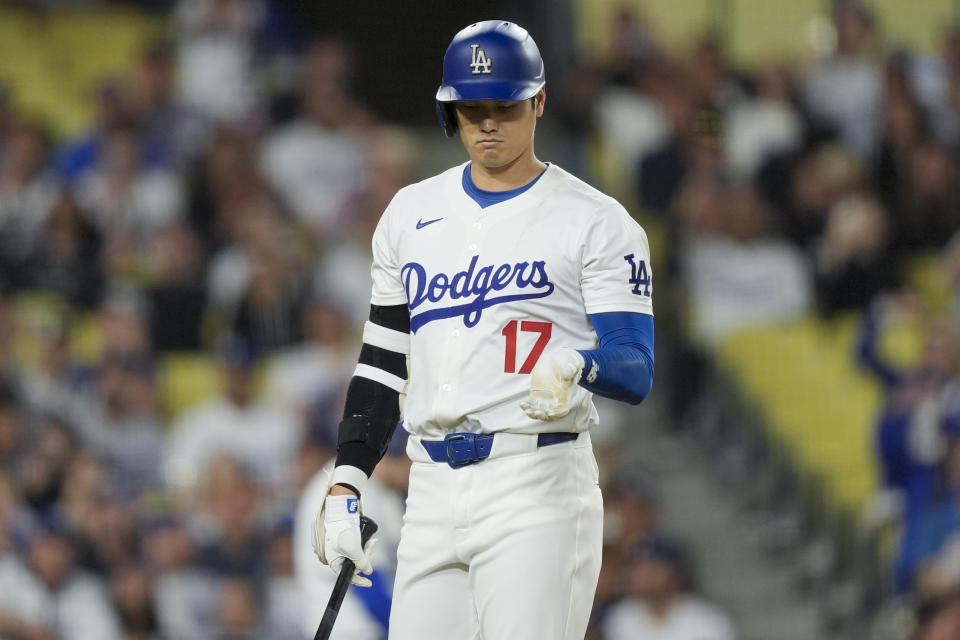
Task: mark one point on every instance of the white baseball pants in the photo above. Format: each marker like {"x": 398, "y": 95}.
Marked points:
{"x": 505, "y": 549}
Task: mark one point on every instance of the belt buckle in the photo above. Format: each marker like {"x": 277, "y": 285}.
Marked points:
{"x": 461, "y": 449}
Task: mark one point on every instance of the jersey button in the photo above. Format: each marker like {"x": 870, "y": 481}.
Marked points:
{"x": 477, "y": 225}
{"x": 456, "y": 333}
{"x": 445, "y": 387}
{"x": 472, "y": 247}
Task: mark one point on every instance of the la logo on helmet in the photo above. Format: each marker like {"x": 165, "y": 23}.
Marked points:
{"x": 480, "y": 63}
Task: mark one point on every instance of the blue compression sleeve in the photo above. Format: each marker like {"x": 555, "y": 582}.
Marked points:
{"x": 622, "y": 368}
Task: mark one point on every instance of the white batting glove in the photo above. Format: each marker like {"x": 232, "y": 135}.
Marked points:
{"x": 555, "y": 374}
{"x": 336, "y": 537}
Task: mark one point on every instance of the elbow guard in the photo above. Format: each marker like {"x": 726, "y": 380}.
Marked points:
{"x": 372, "y": 409}
{"x": 362, "y": 442}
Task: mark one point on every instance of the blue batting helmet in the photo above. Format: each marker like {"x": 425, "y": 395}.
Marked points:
{"x": 489, "y": 60}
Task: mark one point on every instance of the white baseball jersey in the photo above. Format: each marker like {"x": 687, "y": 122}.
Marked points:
{"x": 489, "y": 289}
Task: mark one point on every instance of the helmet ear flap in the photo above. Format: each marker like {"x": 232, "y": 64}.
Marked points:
{"x": 447, "y": 116}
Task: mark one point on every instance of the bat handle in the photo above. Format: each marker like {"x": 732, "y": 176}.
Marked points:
{"x": 367, "y": 528}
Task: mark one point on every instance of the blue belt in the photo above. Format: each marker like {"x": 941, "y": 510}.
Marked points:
{"x": 460, "y": 449}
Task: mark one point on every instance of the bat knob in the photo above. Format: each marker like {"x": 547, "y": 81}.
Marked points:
{"x": 367, "y": 528}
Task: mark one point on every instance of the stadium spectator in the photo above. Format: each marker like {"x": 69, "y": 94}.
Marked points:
{"x": 904, "y": 129}
{"x": 10, "y": 511}
{"x": 285, "y": 600}
{"x": 936, "y": 545}
{"x": 122, "y": 425}
{"x": 123, "y": 321}
{"x": 940, "y": 619}
{"x": 7, "y": 117}
{"x": 950, "y": 265}
{"x": 41, "y": 470}
{"x": 341, "y": 272}
{"x": 106, "y": 539}
{"x": 257, "y": 283}
{"x": 65, "y": 260}
{"x": 261, "y": 437}
{"x": 111, "y": 111}
{"x": 916, "y": 172}
{"x": 626, "y": 114}
{"x": 216, "y": 55}
{"x": 802, "y": 188}
{"x": 46, "y": 596}
{"x": 933, "y": 80}
{"x": 319, "y": 366}
{"x": 52, "y": 447}
{"x": 271, "y": 304}
{"x": 13, "y": 436}
{"x": 28, "y": 190}
{"x": 930, "y": 209}
{"x": 765, "y": 125}
{"x": 853, "y": 259}
{"x": 908, "y": 431}
{"x": 713, "y": 83}
{"x": 10, "y": 370}
{"x": 843, "y": 92}
{"x": 229, "y": 523}
{"x": 172, "y": 134}
{"x": 80, "y": 494}
{"x": 126, "y": 201}
{"x": 227, "y": 182}
{"x": 131, "y": 589}
{"x": 659, "y": 604}
{"x": 736, "y": 271}
{"x": 634, "y": 496}
{"x": 54, "y": 386}
{"x": 184, "y": 595}
{"x": 692, "y": 145}
{"x": 239, "y": 611}
{"x": 317, "y": 162}
{"x": 176, "y": 290}
{"x": 631, "y": 497}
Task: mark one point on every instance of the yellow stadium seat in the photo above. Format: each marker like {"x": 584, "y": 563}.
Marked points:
{"x": 926, "y": 275}
{"x": 803, "y": 378}
{"x": 37, "y": 315}
{"x": 86, "y": 340}
{"x": 54, "y": 61}
{"x": 186, "y": 379}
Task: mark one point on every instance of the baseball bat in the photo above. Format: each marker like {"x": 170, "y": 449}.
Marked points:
{"x": 367, "y": 528}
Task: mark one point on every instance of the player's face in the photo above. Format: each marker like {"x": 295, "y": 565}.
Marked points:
{"x": 499, "y": 133}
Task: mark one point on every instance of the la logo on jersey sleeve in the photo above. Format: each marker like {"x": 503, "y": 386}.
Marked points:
{"x": 639, "y": 276}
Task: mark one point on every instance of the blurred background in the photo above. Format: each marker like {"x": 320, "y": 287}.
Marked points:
{"x": 187, "y": 195}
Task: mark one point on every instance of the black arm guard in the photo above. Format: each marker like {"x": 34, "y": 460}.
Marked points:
{"x": 372, "y": 410}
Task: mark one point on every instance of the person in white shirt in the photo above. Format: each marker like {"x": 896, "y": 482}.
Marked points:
{"x": 317, "y": 162}
{"x": 659, "y": 604}
{"x": 45, "y": 596}
{"x": 263, "y": 437}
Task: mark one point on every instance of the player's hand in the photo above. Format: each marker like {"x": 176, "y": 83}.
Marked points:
{"x": 336, "y": 537}
{"x": 555, "y": 373}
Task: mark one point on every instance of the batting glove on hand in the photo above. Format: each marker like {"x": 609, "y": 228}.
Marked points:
{"x": 555, "y": 373}
{"x": 336, "y": 537}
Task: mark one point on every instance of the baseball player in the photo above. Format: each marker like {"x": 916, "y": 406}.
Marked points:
{"x": 505, "y": 293}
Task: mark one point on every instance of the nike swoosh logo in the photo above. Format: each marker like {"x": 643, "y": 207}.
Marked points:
{"x": 421, "y": 224}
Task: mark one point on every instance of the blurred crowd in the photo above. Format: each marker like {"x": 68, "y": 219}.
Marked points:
{"x": 202, "y": 213}
{"x": 210, "y": 211}
{"x": 824, "y": 188}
